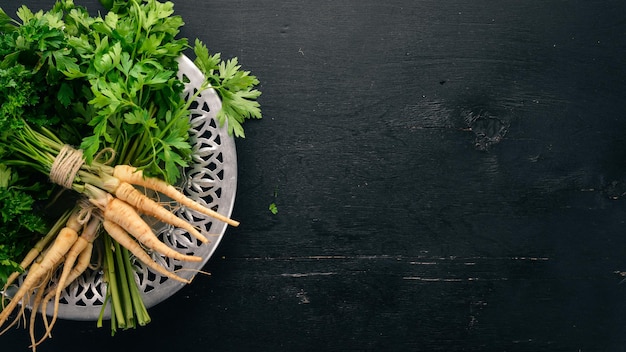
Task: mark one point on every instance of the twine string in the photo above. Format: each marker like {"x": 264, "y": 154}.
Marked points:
{"x": 109, "y": 161}
{"x": 65, "y": 166}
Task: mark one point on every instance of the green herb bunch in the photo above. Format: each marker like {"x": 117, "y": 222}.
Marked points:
{"x": 112, "y": 81}
{"x": 100, "y": 83}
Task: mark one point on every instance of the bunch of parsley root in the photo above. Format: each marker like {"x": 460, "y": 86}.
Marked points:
{"x": 92, "y": 114}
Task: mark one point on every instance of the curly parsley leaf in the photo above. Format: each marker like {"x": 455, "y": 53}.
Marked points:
{"x": 19, "y": 223}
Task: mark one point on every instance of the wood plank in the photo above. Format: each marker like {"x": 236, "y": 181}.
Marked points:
{"x": 449, "y": 176}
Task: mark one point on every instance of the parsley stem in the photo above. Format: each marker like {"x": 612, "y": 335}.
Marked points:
{"x": 112, "y": 281}
{"x": 141, "y": 313}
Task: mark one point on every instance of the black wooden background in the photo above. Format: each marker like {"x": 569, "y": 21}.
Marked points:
{"x": 449, "y": 175}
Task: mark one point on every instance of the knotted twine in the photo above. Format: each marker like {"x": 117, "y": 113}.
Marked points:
{"x": 66, "y": 165}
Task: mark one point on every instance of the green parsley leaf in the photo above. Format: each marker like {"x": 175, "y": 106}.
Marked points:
{"x": 234, "y": 86}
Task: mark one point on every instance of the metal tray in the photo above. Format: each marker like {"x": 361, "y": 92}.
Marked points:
{"x": 211, "y": 180}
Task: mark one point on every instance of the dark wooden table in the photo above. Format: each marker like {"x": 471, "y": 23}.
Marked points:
{"x": 449, "y": 175}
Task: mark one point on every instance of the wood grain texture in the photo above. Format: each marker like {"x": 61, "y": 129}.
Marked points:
{"x": 449, "y": 176}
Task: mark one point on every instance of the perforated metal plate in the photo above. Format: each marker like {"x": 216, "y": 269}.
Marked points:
{"x": 211, "y": 180}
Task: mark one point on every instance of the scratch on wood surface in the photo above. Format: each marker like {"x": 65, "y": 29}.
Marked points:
{"x": 451, "y": 279}
{"x": 432, "y": 279}
{"x": 302, "y": 295}
{"x": 423, "y": 261}
{"x": 296, "y": 275}
{"x": 328, "y": 257}
{"x": 418, "y": 260}
{"x": 474, "y": 260}
{"x": 427, "y": 267}
{"x": 467, "y": 261}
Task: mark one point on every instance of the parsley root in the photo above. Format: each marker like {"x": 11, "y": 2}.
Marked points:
{"x": 124, "y": 215}
{"x": 39, "y": 247}
{"x": 121, "y": 236}
{"x": 136, "y": 177}
{"x": 76, "y": 262}
{"x": 53, "y": 256}
{"x": 145, "y": 205}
